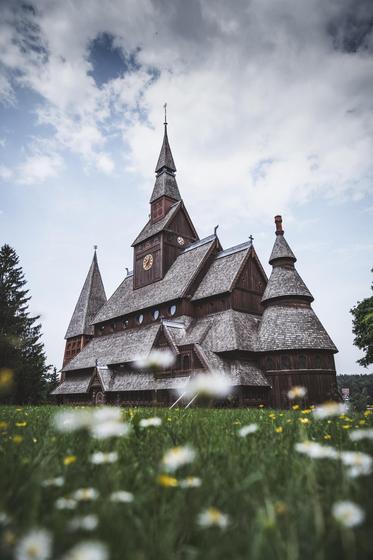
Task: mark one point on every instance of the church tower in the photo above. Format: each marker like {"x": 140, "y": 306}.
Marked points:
{"x": 91, "y": 299}
{"x": 169, "y": 230}
{"x": 298, "y": 350}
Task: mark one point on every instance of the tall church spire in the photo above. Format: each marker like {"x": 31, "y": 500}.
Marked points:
{"x": 165, "y": 182}
{"x": 91, "y": 299}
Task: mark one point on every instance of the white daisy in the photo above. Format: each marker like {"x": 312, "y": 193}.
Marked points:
{"x": 297, "y": 392}
{"x": 83, "y": 523}
{"x": 157, "y": 359}
{"x": 35, "y": 545}
{"x": 316, "y": 450}
{"x": 121, "y": 496}
{"x": 105, "y": 414}
{"x": 190, "y": 482}
{"x": 99, "y": 458}
{"x": 358, "y": 463}
{"x": 110, "y": 429}
{"x": 57, "y": 482}
{"x": 89, "y": 550}
{"x": 348, "y": 514}
{"x": 358, "y": 435}
{"x": 65, "y": 503}
{"x": 177, "y": 457}
{"x": 85, "y": 495}
{"x": 249, "y": 429}
{"x": 148, "y": 422}
{"x": 72, "y": 420}
{"x": 329, "y": 409}
{"x": 215, "y": 384}
{"x": 213, "y": 517}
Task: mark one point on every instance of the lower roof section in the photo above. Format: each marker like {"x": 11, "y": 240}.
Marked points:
{"x": 292, "y": 328}
{"x": 121, "y": 347}
{"x": 75, "y": 383}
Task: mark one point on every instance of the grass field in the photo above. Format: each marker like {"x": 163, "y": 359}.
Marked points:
{"x": 279, "y": 502}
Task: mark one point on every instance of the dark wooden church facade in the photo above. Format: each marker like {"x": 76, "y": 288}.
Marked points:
{"x": 213, "y": 308}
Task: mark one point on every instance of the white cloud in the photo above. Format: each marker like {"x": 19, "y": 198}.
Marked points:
{"x": 104, "y": 163}
{"x": 5, "y": 173}
{"x": 39, "y": 167}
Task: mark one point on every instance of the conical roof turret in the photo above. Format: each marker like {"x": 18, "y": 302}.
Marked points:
{"x": 165, "y": 182}
{"x": 165, "y": 160}
{"x": 91, "y": 299}
{"x": 284, "y": 281}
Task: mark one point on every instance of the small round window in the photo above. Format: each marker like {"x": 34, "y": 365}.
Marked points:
{"x": 172, "y": 309}
{"x": 125, "y": 323}
{"x": 156, "y": 314}
{"x": 140, "y": 318}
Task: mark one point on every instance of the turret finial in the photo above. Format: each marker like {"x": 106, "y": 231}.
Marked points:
{"x": 278, "y": 222}
{"x": 216, "y": 229}
{"x": 95, "y": 248}
{"x": 165, "y": 114}
{"x": 251, "y": 239}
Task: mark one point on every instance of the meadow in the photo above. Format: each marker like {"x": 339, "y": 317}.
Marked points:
{"x": 272, "y": 501}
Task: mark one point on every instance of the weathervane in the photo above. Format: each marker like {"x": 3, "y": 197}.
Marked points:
{"x": 165, "y": 113}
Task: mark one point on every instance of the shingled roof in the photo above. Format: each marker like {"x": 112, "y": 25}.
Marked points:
{"x": 121, "y": 347}
{"x": 283, "y": 282}
{"x": 74, "y": 383}
{"x": 151, "y": 229}
{"x": 174, "y": 285}
{"x": 292, "y": 328}
{"x": 222, "y": 272}
{"x": 281, "y": 250}
{"x": 165, "y": 185}
{"x": 165, "y": 159}
{"x": 91, "y": 299}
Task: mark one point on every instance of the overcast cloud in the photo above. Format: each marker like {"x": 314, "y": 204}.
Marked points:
{"x": 270, "y": 110}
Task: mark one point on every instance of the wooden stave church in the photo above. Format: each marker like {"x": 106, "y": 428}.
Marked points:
{"x": 214, "y": 309}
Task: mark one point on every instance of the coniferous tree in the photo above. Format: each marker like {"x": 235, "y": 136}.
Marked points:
{"x": 21, "y": 350}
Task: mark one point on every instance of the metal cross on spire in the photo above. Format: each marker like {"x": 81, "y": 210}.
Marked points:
{"x": 251, "y": 239}
{"x": 165, "y": 113}
{"x": 95, "y": 247}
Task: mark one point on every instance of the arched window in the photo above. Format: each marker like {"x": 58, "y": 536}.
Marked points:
{"x": 140, "y": 318}
{"x": 172, "y": 309}
{"x": 125, "y": 323}
{"x": 155, "y": 314}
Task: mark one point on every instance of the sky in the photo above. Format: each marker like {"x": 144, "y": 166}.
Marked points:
{"x": 270, "y": 111}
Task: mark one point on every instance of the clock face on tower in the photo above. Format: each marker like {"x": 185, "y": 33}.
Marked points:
{"x": 147, "y": 263}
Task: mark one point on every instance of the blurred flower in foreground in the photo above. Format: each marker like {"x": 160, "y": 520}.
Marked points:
{"x": 85, "y": 494}
{"x": 167, "y": 481}
{"x": 35, "y": 545}
{"x": 65, "y": 503}
{"x": 358, "y": 435}
{"x": 249, "y": 429}
{"x": 83, "y": 523}
{"x": 358, "y": 463}
{"x": 150, "y": 422}
{"x": 6, "y": 380}
{"x": 57, "y": 482}
{"x": 316, "y": 450}
{"x": 329, "y": 409}
{"x": 89, "y": 550}
{"x": 177, "y": 457}
{"x": 297, "y": 392}
{"x": 121, "y": 496}
{"x": 157, "y": 359}
{"x": 72, "y": 420}
{"x": 348, "y": 514}
{"x": 213, "y": 517}
{"x": 100, "y": 458}
{"x": 69, "y": 460}
{"x": 215, "y": 384}
{"x": 4, "y": 518}
{"x": 190, "y": 482}
{"x": 102, "y": 423}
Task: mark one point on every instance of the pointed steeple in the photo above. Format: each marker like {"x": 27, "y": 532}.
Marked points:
{"x": 284, "y": 281}
{"x": 165, "y": 182}
{"x": 91, "y": 299}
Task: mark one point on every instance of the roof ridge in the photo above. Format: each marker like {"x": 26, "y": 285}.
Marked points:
{"x": 234, "y": 249}
{"x": 199, "y": 242}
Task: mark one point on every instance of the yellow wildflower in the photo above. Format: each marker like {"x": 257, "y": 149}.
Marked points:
{"x": 280, "y": 507}
{"x": 362, "y": 422}
{"x": 304, "y": 420}
{"x": 17, "y": 439}
{"x": 346, "y": 427}
{"x": 69, "y": 459}
{"x": 21, "y": 424}
{"x": 327, "y": 436}
{"x": 279, "y": 429}
{"x": 273, "y": 416}
{"x": 367, "y": 413}
{"x": 295, "y": 407}
{"x": 3, "y": 425}
{"x": 306, "y": 411}
{"x": 6, "y": 377}
{"x": 261, "y": 406}
{"x": 167, "y": 481}
{"x": 236, "y": 423}
{"x": 288, "y": 421}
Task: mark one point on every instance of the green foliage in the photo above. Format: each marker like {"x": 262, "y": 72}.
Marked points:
{"x": 279, "y": 501}
{"x": 357, "y": 384}
{"x": 21, "y": 351}
{"x": 363, "y": 329}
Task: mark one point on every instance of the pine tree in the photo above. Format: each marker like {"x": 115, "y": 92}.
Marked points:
{"x": 21, "y": 350}
{"x": 52, "y": 379}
